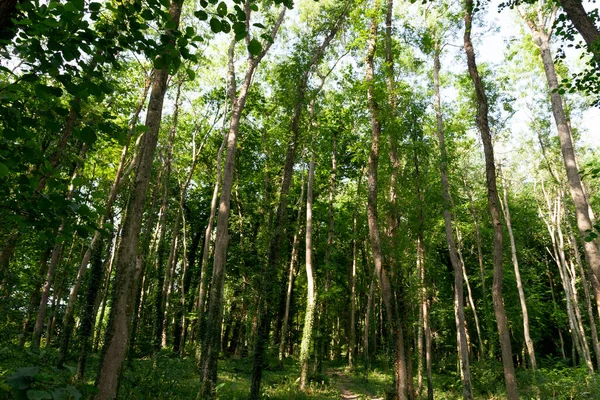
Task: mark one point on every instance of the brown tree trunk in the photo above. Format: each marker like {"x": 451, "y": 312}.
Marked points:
{"x": 515, "y": 261}
{"x": 68, "y": 319}
{"x": 400, "y": 367}
{"x": 492, "y": 193}
{"x": 352, "y": 345}
{"x": 276, "y": 238}
{"x": 117, "y": 337}
{"x": 459, "y": 309}
{"x": 291, "y": 275}
{"x": 583, "y": 23}
{"x": 212, "y": 335}
{"x": 541, "y": 36}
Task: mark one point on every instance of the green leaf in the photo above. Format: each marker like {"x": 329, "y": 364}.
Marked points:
{"x": 46, "y": 91}
{"x": 254, "y": 47}
{"x": 201, "y": 15}
{"x": 225, "y": 27}
{"x": 259, "y": 25}
{"x": 191, "y": 74}
{"x": 159, "y": 63}
{"x": 239, "y": 27}
{"x": 253, "y": 7}
{"x": 139, "y": 129}
{"x": 88, "y": 135}
{"x": 38, "y": 394}
{"x": 4, "y": 171}
{"x": 147, "y": 15}
{"x": 222, "y": 9}
{"x": 215, "y": 25}
{"x": 240, "y": 36}
{"x": 95, "y": 7}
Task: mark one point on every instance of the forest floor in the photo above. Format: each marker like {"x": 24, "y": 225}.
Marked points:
{"x": 350, "y": 389}
{"x": 164, "y": 376}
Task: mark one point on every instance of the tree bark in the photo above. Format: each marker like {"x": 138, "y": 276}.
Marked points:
{"x": 311, "y": 290}
{"x": 541, "y": 36}
{"x": 584, "y": 24}
{"x": 515, "y": 262}
{"x": 291, "y": 274}
{"x": 212, "y": 335}
{"x": 492, "y": 194}
{"x": 117, "y": 336}
{"x": 459, "y": 309}
{"x": 276, "y": 238}
{"x": 400, "y": 367}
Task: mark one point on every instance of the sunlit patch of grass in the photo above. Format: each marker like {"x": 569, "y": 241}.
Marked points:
{"x": 277, "y": 384}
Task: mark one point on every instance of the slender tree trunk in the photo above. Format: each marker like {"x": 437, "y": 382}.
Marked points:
{"x": 311, "y": 291}
{"x": 35, "y": 297}
{"x": 272, "y": 265}
{"x": 352, "y": 344}
{"x": 54, "y": 260}
{"x": 120, "y": 175}
{"x": 428, "y": 357}
{"x": 541, "y": 36}
{"x": 400, "y": 367}
{"x": 367, "y": 331}
{"x": 515, "y": 261}
{"x": 89, "y": 315}
{"x": 105, "y": 290}
{"x": 162, "y": 304}
{"x": 212, "y": 335}
{"x": 492, "y": 192}
{"x": 117, "y": 336}
{"x": 202, "y": 287}
{"x": 461, "y": 336}
{"x": 291, "y": 274}
{"x": 586, "y": 292}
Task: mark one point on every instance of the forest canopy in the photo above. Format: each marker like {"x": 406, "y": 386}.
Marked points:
{"x": 221, "y": 199}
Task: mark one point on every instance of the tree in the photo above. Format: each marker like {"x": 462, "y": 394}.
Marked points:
{"x": 492, "y": 194}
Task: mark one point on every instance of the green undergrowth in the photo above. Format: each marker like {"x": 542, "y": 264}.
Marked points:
{"x": 28, "y": 375}
{"x": 277, "y": 383}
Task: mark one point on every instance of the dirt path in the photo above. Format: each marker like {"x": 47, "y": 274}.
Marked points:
{"x": 348, "y": 389}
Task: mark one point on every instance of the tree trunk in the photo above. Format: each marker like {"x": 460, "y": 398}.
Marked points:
{"x": 492, "y": 193}
{"x": 117, "y": 335}
{"x": 276, "y": 238}
{"x": 584, "y": 24}
{"x": 311, "y": 291}
{"x": 162, "y": 309}
{"x": 120, "y": 175}
{"x": 353, "y": 344}
{"x": 291, "y": 274}
{"x": 89, "y": 316}
{"x": 54, "y": 260}
{"x": 212, "y": 335}
{"x": 584, "y": 222}
{"x": 515, "y": 261}
{"x": 400, "y": 367}
{"x": 459, "y": 309}
{"x": 586, "y": 292}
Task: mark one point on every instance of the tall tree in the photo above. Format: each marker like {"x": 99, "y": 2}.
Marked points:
{"x": 541, "y": 31}
{"x": 493, "y": 204}
{"x": 400, "y": 366}
{"x": 212, "y": 335}
{"x": 117, "y": 335}
{"x": 461, "y": 335}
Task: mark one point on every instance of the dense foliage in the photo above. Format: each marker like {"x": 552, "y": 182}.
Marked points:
{"x": 217, "y": 199}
